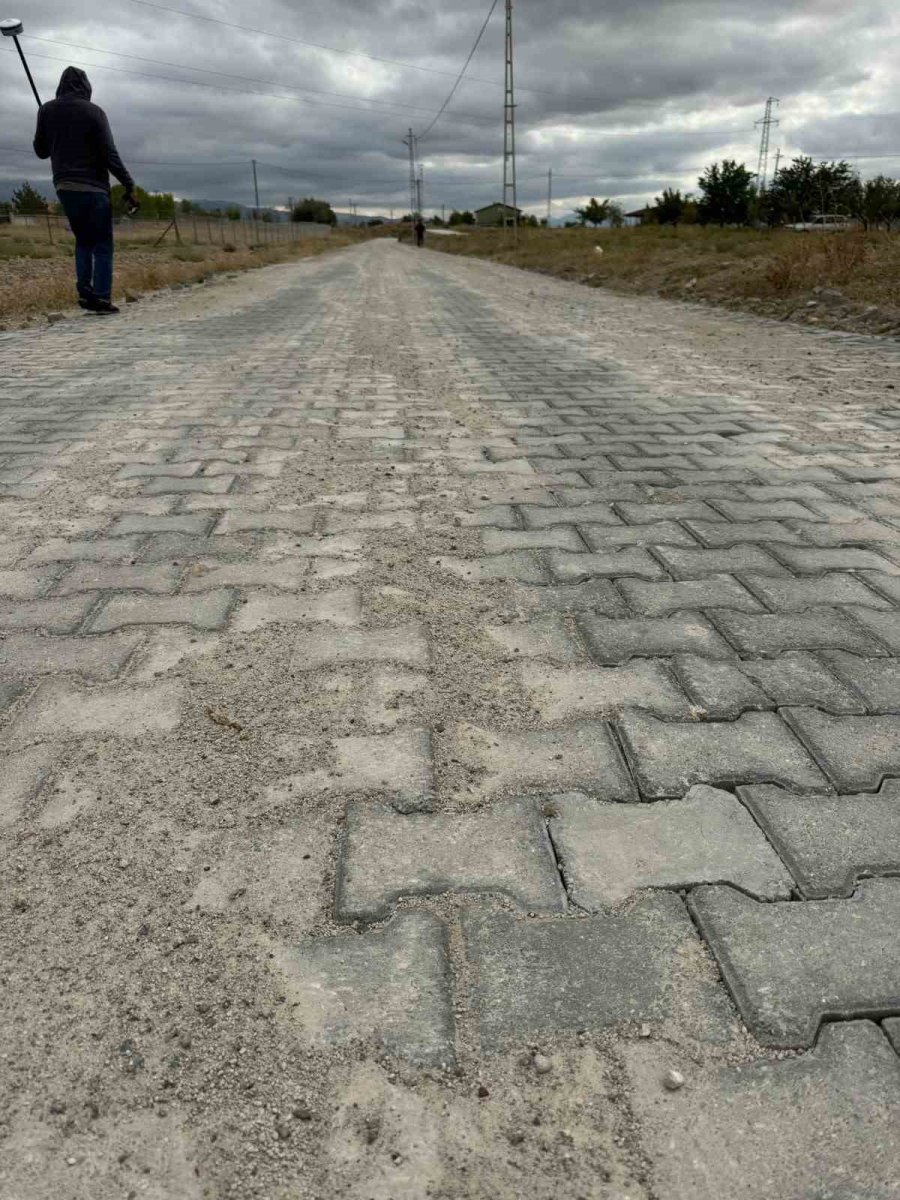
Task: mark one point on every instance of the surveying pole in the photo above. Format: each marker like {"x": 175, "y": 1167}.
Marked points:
{"x": 509, "y": 133}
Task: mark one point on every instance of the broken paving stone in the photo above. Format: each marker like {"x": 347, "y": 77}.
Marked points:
{"x": 720, "y": 689}
{"x": 609, "y": 851}
{"x": 612, "y": 641}
{"x": 392, "y": 985}
{"x": 549, "y": 976}
{"x": 394, "y": 765}
{"x": 385, "y": 856}
{"x": 561, "y": 693}
{"x": 822, "y": 1126}
{"x": 857, "y": 753}
{"x": 581, "y": 757}
{"x": 791, "y": 965}
{"x": 830, "y": 842}
{"x": 670, "y": 758}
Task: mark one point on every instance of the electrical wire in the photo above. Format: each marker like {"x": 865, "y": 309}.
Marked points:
{"x": 459, "y": 77}
{"x": 245, "y": 78}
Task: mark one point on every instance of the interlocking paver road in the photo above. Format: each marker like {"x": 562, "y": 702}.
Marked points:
{"x": 437, "y": 703}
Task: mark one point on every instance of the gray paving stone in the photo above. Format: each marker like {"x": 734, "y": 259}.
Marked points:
{"x": 891, "y": 1027}
{"x": 25, "y": 654}
{"x": 611, "y": 564}
{"x": 719, "y": 689}
{"x": 500, "y": 516}
{"x": 814, "y": 629}
{"x": 390, "y": 985}
{"x": 581, "y": 757}
{"x": 762, "y": 510}
{"x": 180, "y": 487}
{"x": 736, "y": 560}
{"x": 159, "y": 578}
{"x": 294, "y": 521}
{"x": 404, "y": 644}
{"x": 560, "y": 694}
{"x": 662, "y": 599}
{"x": 9, "y": 691}
{"x": 821, "y": 1126}
{"x": 543, "y": 637}
{"x": 180, "y": 470}
{"x": 816, "y": 561}
{"x": 101, "y": 550}
{"x": 791, "y": 965}
{"x": 385, "y": 855}
{"x": 856, "y": 753}
{"x": 887, "y": 585}
{"x": 24, "y": 773}
{"x": 795, "y": 595}
{"x": 883, "y": 625}
{"x": 397, "y": 766}
{"x": 25, "y": 584}
{"x": 534, "y": 977}
{"x": 668, "y": 759}
{"x": 659, "y": 533}
{"x": 830, "y": 842}
{"x": 669, "y": 510}
{"x": 502, "y": 541}
{"x": 518, "y": 567}
{"x": 612, "y": 641}
{"x": 341, "y": 606}
{"x": 876, "y": 680}
{"x": 181, "y": 547}
{"x": 716, "y": 534}
{"x": 597, "y": 596}
{"x": 209, "y": 611}
{"x": 348, "y": 522}
{"x": 54, "y": 616}
{"x": 538, "y": 517}
{"x": 286, "y": 574}
{"x": 846, "y": 533}
{"x": 60, "y": 709}
{"x": 796, "y": 678}
{"x": 137, "y": 523}
{"x": 609, "y": 851}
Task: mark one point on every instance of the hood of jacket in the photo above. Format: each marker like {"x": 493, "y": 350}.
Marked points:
{"x": 74, "y": 82}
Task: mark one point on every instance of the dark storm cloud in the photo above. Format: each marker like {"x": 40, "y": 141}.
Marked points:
{"x": 684, "y": 81}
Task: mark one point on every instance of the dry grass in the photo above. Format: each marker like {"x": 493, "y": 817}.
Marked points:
{"x": 761, "y": 270}
{"x": 37, "y": 276}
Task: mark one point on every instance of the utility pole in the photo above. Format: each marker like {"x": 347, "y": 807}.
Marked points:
{"x": 549, "y": 195}
{"x": 420, "y": 192}
{"x": 443, "y": 214}
{"x": 777, "y": 161}
{"x": 762, "y": 170}
{"x": 255, "y": 185}
{"x": 413, "y": 182}
{"x": 510, "y": 196}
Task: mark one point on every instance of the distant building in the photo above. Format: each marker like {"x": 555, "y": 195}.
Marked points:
{"x": 640, "y": 216}
{"x": 494, "y": 215}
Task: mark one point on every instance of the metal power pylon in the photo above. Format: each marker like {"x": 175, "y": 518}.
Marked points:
{"x": 413, "y": 178}
{"x": 509, "y": 132}
{"x": 762, "y": 170}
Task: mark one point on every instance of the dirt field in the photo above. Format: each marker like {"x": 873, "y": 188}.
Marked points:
{"x": 838, "y": 280}
{"x": 37, "y": 272}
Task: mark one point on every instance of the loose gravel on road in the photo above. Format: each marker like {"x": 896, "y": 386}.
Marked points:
{"x": 451, "y": 736}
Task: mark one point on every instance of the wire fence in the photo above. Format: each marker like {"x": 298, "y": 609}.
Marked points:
{"x": 192, "y": 229}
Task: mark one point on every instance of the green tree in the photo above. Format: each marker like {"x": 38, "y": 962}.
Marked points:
{"x": 878, "y": 202}
{"x": 727, "y": 193}
{"x": 155, "y": 205}
{"x": 594, "y": 213}
{"x": 668, "y": 209}
{"x": 616, "y": 216}
{"x": 803, "y": 188}
{"x": 233, "y": 213}
{"x": 27, "y": 199}
{"x": 311, "y": 209}
{"x": 461, "y": 218}
{"x": 187, "y": 206}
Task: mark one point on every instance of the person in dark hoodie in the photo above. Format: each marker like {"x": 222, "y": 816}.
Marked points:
{"x": 75, "y": 135}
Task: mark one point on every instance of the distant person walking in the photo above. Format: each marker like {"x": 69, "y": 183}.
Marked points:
{"x": 75, "y": 135}
{"x": 420, "y": 232}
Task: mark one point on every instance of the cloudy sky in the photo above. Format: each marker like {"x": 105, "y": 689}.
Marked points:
{"x": 619, "y": 99}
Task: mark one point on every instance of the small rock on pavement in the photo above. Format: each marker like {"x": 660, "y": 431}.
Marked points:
{"x": 54, "y": 317}
{"x": 673, "y": 1081}
{"x": 542, "y": 1064}
{"x": 131, "y": 297}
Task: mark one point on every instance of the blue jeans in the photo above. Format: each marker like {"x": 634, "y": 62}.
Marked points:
{"x": 90, "y": 216}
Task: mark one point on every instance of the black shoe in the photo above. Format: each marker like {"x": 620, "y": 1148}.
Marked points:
{"x": 101, "y": 307}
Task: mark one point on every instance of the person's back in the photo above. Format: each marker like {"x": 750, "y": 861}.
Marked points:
{"x": 74, "y": 134}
